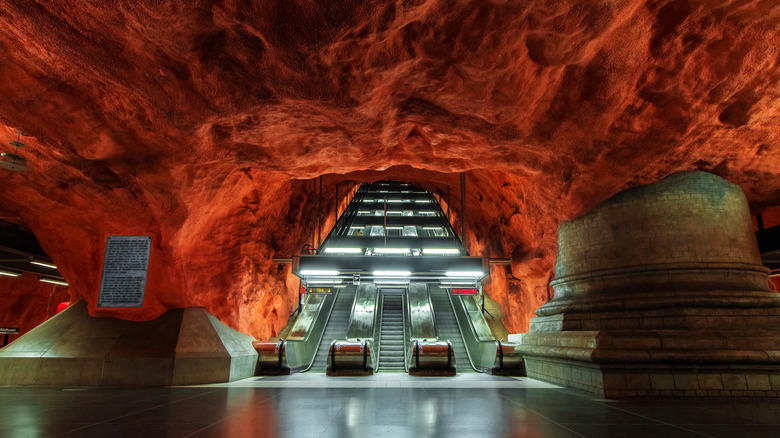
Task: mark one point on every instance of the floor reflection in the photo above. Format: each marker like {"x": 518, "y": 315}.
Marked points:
{"x": 423, "y": 408}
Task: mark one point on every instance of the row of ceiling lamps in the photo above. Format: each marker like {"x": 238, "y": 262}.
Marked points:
{"x": 425, "y": 251}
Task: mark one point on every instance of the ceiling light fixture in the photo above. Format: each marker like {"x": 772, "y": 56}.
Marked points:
{"x": 343, "y": 250}
{"x": 322, "y": 272}
{"x": 47, "y": 280}
{"x": 47, "y": 265}
{"x": 441, "y": 251}
{"x": 14, "y": 161}
{"x": 391, "y": 250}
{"x": 464, "y": 273}
{"x": 390, "y": 281}
{"x": 392, "y": 273}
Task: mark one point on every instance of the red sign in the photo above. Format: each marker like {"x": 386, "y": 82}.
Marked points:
{"x": 467, "y": 291}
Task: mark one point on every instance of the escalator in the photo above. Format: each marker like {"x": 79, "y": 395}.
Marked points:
{"x": 336, "y": 328}
{"x": 391, "y": 346}
{"x": 447, "y": 327}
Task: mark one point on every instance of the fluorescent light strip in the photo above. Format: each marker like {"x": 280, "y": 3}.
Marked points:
{"x": 392, "y": 273}
{"x": 462, "y": 282}
{"x": 343, "y": 250}
{"x": 394, "y": 200}
{"x": 324, "y": 283}
{"x": 356, "y": 228}
{"x": 318, "y": 272}
{"x": 9, "y": 274}
{"x": 389, "y": 281}
{"x": 391, "y": 250}
{"x": 423, "y": 201}
{"x": 394, "y": 228}
{"x": 431, "y": 228}
{"x": 48, "y": 265}
{"x": 46, "y": 280}
{"x": 441, "y": 251}
{"x": 426, "y": 212}
{"x": 464, "y": 273}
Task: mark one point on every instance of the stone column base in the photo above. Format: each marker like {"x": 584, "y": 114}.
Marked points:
{"x": 627, "y": 364}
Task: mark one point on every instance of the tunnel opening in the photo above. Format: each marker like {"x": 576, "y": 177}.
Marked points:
{"x": 391, "y": 282}
{"x": 31, "y": 286}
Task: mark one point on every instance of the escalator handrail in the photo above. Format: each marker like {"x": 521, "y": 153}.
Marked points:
{"x": 377, "y": 340}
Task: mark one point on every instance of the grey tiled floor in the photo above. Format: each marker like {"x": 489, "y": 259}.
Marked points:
{"x": 390, "y": 405}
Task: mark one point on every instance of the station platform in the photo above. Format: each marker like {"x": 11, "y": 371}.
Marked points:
{"x": 383, "y": 405}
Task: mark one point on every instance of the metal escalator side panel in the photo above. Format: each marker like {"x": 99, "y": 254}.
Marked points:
{"x": 407, "y": 331}
{"x": 361, "y": 324}
{"x": 376, "y": 332}
{"x": 421, "y": 319}
{"x": 302, "y": 342}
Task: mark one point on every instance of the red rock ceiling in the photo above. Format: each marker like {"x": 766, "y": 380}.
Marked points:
{"x": 201, "y": 123}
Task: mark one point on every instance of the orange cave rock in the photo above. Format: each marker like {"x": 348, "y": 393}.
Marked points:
{"x": 206, "y": 124}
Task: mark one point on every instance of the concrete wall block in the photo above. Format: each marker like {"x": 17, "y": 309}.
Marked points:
{"x": 195, "y": 370}
{"x": 137, "y": 371}
{"x": 710, "y": 381}
{"x": 242, "y": 367}
{"x": 19, "y": 370}
{"x": 640, "y": 381}
{"x": 774, "y": 380}
{"x": 614, "y": 381}
{"x": 734, "y": 382}
{"x": 694, "y": 341}
{"x": 662, "y": 381}
{"x": 70, "y": 371}
{"x": 686, "y": 381}
{"x": 758, "y": 382}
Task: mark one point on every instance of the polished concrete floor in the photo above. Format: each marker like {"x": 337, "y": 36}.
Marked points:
{"x": 384, "y": 405}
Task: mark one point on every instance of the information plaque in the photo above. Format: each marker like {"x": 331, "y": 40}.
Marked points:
{"x": 124, "y": 271}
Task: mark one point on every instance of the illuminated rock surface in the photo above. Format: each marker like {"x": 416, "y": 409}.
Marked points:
{"x": 201, "y": 125}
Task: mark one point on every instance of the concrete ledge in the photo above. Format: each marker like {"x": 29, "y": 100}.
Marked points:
{"x": 181, "y": 347}
{"x": 657, "y": 380}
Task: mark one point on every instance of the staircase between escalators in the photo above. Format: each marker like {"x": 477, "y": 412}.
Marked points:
{"x": 391, "y": 343}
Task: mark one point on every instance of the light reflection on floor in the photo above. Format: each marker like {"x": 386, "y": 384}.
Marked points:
{"x": 377, "y": 406}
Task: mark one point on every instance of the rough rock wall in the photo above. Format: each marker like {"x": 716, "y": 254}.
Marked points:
{"x": 200, "y": 123}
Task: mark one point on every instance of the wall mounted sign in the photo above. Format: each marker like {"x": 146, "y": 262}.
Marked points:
{"x": 464, "y": 291}
{"x": 124, "y": 271}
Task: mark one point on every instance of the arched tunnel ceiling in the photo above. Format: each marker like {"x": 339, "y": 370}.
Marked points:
{"x": 200, "y": 122}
